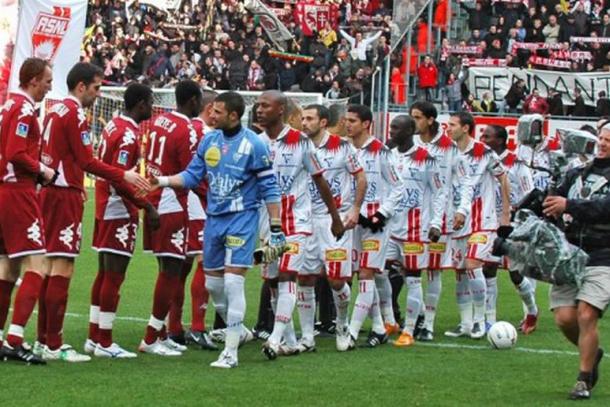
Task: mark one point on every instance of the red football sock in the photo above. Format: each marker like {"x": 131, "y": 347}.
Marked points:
{"x": 95, "y": 301}
{"x": 25, "y": 300}
{"x": 6, "y": 289}
{"x": 109, "y": 301}
{"x": 57, "y": 299}
{"x": 42, "y": 312}
{"x": 177, "y": 304}
{"x": 164, "y": 292}
{"x": 199, "y": 299}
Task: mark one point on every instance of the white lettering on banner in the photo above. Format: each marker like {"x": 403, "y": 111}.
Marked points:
{"x": 498, "y": 82}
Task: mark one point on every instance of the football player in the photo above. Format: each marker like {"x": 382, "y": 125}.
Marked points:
{"x": 22, "y": 241}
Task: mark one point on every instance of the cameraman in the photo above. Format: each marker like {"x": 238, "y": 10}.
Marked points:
{"x": 584, "y": 197}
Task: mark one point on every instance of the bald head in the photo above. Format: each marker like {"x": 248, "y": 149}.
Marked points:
{"x": 272, "y": 107}
{"x": 402, "y": 129}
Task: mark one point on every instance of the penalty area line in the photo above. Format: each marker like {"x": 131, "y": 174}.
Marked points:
{"x": 481, "y": 347}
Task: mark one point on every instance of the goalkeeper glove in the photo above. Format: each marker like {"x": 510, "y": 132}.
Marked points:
{"x": 277, "y": 238}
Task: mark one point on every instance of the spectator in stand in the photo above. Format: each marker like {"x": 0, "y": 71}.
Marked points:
{"x": 535, "y": 103}
{"x": 551, "y": 30}
{"x": 568, "y": 29}
{"x": 555, "y": 103}
{"x": 335, "y": 91}
{"x": 475, "y": 38}
{"x": 488, "y": 105}
{"x": 470, "y": 105}
{"x": 478, "y": 16}
{"x": 255, "y": 74}
{"x": 581, "y": 19}
{"x": 360, "y": 45}
{"x": 515, "y": 95}
{"x": 427, "y": 78}
{"x": 579, "y": 109}
{"x": 287, "y": 77}
{"x": 604, "y": 29}
{"x": 602, "y": 107}
{"x": 496, "y": 51}
{"x": 535, "y": 33}
{"x": 398, "y": 87}
{"x": 453, "y": 89}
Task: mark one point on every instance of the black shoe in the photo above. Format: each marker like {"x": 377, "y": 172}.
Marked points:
{"x": 376, "y": 339}
{"x": 595, "y": 371}
{"x": 21, "y": 354}
{"x": 325, "y": 330}
{"x": 179, "y": 339}
{"x": 419, "y": 325}
{"x": 425, "y": 335}
{"x": 581, "y": 391}
{"x": 202, "y": 339}
{"x": 261, "y": 333}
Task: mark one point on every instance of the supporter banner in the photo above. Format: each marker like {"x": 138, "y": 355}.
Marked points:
{"x": 498, "y": 81}
{"x": 403, "y": 16}
{"x": 456, "y": 49}
{"x": 550, "y": 62}
{"x": 601, "y": 40}
{"x": 164, "y": 5}
{"x": 277, "y": 32}
{"x": 524, "y": 2}
{"x": 8, "y": 30}
{"x": 534, "y": 46}
{"x": 53, "y": 30}
{"x": 580, "y": 55}
{"x": 312, "y": 16}
{"x": 483, "y": 62}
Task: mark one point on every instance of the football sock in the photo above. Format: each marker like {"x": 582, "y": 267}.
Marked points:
{"x": 478, "y": 290}
{"x": 199, "y": 299}
{"x": 364, "y": 301}
{"x": 94, "y": 309}
{"x": 164, "y": 292}
{"x": 433, "y": 294}
{"x": 216, "y": 288}
{"x": 177, "y": 303}
{"x": 415, "y": 300}
{"x": 25, "y": 300}
{"x": 236, "y": 300}
{"x": 527, "y": 294}
{"x": 285, "y": 306}
{"x": 290, "y": 336}
{"x": 42, "y": 311}
{"x": 464, "y": 299}
{"x": 56, "y": 301}
{"x": 306, "y": 304}
{"x": 109, "y": 301}
{"x": 6, "y": 289}
{"x": 342, "y": 299}
{"x": 491, "y": 299}
{"x": 384, "y": 289}
{"x": 375, "y": 313}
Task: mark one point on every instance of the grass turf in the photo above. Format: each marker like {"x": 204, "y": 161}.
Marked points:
{"x": 421, "y": 375}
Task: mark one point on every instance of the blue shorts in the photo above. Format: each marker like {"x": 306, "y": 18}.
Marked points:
{"x": 230, "y": 240}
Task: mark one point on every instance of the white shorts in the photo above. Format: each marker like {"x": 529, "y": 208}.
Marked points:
{"x": 440, "y": 254}
{"x": 477, "y": 246}
{"x": 369, "y": 248}
{"x": 412, "y": 255}
{"x": 293, "y": 259}
{"x": 324, "y": 250}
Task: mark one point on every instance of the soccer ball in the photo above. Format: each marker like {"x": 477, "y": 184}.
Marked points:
{"x": 502, "y": 335}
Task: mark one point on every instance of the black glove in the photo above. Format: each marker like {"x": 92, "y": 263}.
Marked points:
{"x": 377, "y": 222}
{"x": 505, "y": 231}
{"x": 434, "y": 235}
{"x": 364, "y": 221}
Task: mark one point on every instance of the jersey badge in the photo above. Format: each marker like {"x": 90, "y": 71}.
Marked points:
{"x": 212, "y": 156}
{"x": 85, "y": 138}
{"x": 22, "y": 130}
{"x": 123, "y": 157}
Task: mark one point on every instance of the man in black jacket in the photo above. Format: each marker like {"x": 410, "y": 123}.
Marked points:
{"x": 584, "y": 201}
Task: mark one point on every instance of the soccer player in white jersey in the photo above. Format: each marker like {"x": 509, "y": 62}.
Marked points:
{"x": 383, "y": 193}
{"x": 324, "y": 251}
{"x": 452, "y": 174}
{"x": 295, "y": 161}
{"x": 475, "y": 233}
{"x": 419, "y": 172}
{"x": 521, "y": 183}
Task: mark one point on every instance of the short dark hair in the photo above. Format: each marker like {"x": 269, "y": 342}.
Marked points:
{"x": 135, "y": 93}
{"x": 323, "y": 112}
{"x": 427, "y": 109}
{"x": 84, "y": 72}
{"x": 30, "y": 69}
{"x": 500, "y": 132}
{"x": 186, "y": 90}
{"x": 233, "y": 101}
{"x": 208, "y": 97}
{"x": 363, "y": 112}
{"x": 465, "y": 118}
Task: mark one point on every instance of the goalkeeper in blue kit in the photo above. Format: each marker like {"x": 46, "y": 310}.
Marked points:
{"x": 236, "y": 164}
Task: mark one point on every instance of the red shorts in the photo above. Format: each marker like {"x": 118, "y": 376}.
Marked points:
{"x": 117, "y": 236}
{"x": 63, "y": 216}
{"x": 170, "y": 239}
{"x": 194, "y": 245}
{"x": 21, "y": 225}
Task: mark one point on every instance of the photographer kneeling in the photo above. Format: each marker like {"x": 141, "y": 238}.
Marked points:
{"x": 583, "y": 199}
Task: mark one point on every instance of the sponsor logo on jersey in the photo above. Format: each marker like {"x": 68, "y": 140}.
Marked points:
{"x": 371, "y": 245}
{"x": 85, "y": 138}
{"x": 413, "y": 247}
{"x": 292, "y": 248}
{"x": 234, "y": 241}
{"x": 22, "y": 130}
{"x": 336, "y": 255}
{"x": 212, "y": 156}
{"x": 123, "y": 157}
{"x": 437, "y": 247}
{"x": 477, "y": 238}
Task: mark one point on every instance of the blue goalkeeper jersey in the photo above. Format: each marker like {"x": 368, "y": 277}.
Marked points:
{"x": 238, "y": 170}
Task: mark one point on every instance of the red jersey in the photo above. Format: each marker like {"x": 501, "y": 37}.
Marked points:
{"x": 19, "y": 141}
{"x": 119, "y": 147}
{"x": 67, "y": 147}
{"x": 171, "y": 144}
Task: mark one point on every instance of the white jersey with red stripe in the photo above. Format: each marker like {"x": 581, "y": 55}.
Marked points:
{"x": 294, "y": 161}
{"x": 541, "y": 159}
{"x": 483, "y": 167}
{"x": 519, "y": 177}
{"x": 195, "y": 203}
{"x": 420, "y": 174}
{"x": 384, "y": 186}
{"x": 340, "y": 162}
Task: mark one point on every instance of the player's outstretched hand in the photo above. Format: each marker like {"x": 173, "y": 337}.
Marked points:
{"x": 434, "y": 234}
{"x": 152, "y": 217}
{"x": 137, "y": 180}
{"x": 458, "y": 221}
{"x": 337, "y": 228}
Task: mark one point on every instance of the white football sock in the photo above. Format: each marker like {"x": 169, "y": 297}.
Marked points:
{"x": 306, "y": 304}
{"x": 290, "y": 336}
{"x": 384, "y": 289}
{"x": 236, "y": 309}
{"x": 286, "y": 300}
{"x": 478, "y": 290}
{"x": 464, "y": 300}
{"x": 362, "y": 306}
{"x": 433, "y": 295}
{"x": 94, "y": 314}
{"x": 342, "y": 298}
{"x": 491, "y": 299}
{"x": 106, "y": 320}
{"x": 216, "y": 289}
{"x": 375, "y": 313}
{"x": 415, "y": 300}
{"x": 526, "y": 292}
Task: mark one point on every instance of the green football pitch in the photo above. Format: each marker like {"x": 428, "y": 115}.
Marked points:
{"x": 539, "y": 372}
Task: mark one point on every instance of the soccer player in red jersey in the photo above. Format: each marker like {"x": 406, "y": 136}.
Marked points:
{"x": 22, "y": 243}
{"x": 67, "y": 148}
{"x": 116, "y": 220}
{"x": 171, "y": 143}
